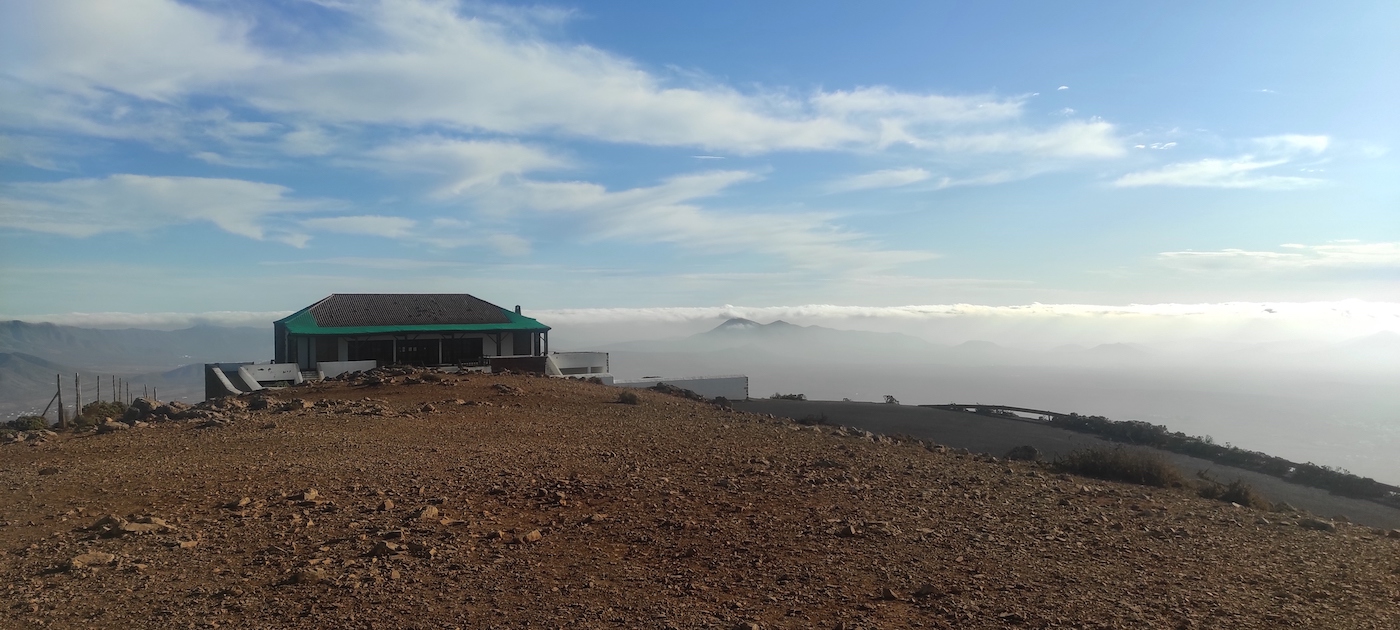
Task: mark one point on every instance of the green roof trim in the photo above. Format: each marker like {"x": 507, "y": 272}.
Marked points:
{"x": 302, "y": 323}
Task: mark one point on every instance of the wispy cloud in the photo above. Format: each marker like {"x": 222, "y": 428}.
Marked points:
{"x": 670, "y": 213}
{"x": 134, "y": 203}
{"x": 890, "y": 178}
{"x": 372, "y": 225}
{"x": 1291, "y": 257}
{"x": 1244, "y": 171}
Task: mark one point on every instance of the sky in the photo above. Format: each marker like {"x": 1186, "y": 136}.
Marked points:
{"x": 164, "y": 161}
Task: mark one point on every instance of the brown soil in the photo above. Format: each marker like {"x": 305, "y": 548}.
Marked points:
{"x": 558, "y": 507}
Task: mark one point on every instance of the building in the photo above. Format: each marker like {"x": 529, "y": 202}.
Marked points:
{"x": 406, "y": 329}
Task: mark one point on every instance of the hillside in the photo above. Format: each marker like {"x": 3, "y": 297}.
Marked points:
{"x": 510, "y": 501}
{"x": 27, "y": 383}
{"x": 134, "y": 350}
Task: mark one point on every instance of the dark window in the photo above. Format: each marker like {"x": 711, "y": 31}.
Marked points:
{"x": 521, "y": 343}
{"x": 418, "y": 351}
{"x": 381, "y": 351}
{"x": 462, "y": 351}
{"x": 327, "y": 349}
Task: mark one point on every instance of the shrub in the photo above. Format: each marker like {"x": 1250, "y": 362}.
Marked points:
{"x": 29, "y": 423}
{"x": 1119, "y": 464}
{"x": 891, "y": 400}
{"x": 628, "y": 398}
{"x": 94, "y": 412}
{"x": 810, "y": 420}
{"x": 777, "y": 396}
{"x": 1236, "y": 491}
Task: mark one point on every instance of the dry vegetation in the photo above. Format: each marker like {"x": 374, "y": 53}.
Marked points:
{"x": 510, "y": 501}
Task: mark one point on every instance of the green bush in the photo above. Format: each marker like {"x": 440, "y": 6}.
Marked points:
{"x": 28, "y": 423}
{"x": 1120, "y": 464}
{"x": 628, "y": 398}
{"x": 777, "y": 396}
{"x": 94, "y": 412}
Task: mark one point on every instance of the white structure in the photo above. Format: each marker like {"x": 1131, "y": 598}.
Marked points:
{"x": 232, "y": 379}
{"x": 577, "y": 363}
{"x": 732, "y": 387}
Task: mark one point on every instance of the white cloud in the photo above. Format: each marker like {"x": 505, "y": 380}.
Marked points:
{"x": 1238, "y": 172}
{"x": 372, "y": 225}
{"x": 464, "y": 164}
{"x": 1343, "y": 254}
{"x": 1080, "y": 139}
{"x": 424, "y": 64}
{"x": 667, "y": 213}
{"x": 1294, "y": 143}
{"x": 890, "y": 178}
{"x": 1062, "y": 87}
{"x": 133, "y": 203}
{"x": 1217, "y": 173}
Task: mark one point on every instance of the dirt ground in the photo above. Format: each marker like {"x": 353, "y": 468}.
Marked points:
{"x": 522, "y": 502}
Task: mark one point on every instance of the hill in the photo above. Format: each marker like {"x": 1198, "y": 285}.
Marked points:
{"x": 134, "y": 350}
{"x": 27, "y": 383}
{"x": 510, "y": 501}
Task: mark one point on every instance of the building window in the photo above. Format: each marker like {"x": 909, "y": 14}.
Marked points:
{"x": 462, "y": 351}
{"x": 418, "y": 352}
{"x": 380, "y": 351}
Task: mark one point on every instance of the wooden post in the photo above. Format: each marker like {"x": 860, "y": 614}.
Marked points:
{"x": 98, "y": 398}
{"x": 62, "y": 418}
{"x": 77, "y": 395}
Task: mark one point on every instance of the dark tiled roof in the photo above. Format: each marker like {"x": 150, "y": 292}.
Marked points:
{"x": 408, "y": 309}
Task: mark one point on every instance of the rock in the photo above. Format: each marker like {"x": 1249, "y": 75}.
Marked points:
{"x": 848, "y": 531}
{"x": 747, "y": 625}
{"x": 1024, "y": 453}
{"x": 112, "y": 426}
{"x": 1341, "y": 518}
{"x": 928, "y": 590}
{"x": 387, "y": 505}
{"x": 189, "y": 544}
{"x": 422, "y": 551}
{"x": 310, "y": 494}
{"x": 384, "y": 548}
{"x": 239, "y": 503}
{"x": 888, "y": 594}
{"x": 308, "y": 576}
{"x": 48, "y": 471}
{"x": 1317, "y": 524}
{"x": 428, "y": 513}
{"x": 533, "y": 537}
{"x": 1394, "y": 533}
{"x": 257, "y": 404}
{"x": 427, "y": 408}
{"x": 394, "y": 574}
{"x": 143, "y": 406}
{"x": 91, "y": 559}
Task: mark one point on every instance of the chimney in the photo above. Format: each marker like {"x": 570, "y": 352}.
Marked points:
{"x": 517, "y": 309}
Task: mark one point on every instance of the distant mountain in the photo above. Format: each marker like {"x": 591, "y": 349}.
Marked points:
{"x": 134, "y": 349}
{"x": 27, "y": 383}
{"x": 781, "y": 338}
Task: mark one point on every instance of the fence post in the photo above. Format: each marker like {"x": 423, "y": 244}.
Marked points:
{"x": 77, "y": 395}
{"x": 62, "y": 418}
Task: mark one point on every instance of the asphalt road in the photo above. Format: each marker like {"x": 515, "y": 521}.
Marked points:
{"x": 996, "y": 436}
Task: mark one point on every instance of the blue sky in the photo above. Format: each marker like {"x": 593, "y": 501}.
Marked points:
{"x": 164, "y": 157}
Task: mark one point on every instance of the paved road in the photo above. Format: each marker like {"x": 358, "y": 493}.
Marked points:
{"x": 998, "y": 435}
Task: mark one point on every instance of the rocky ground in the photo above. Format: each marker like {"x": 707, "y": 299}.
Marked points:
{"x": 521, "y": 502}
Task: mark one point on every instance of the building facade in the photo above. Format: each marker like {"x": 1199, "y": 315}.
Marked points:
{"x": 407, "y": 329}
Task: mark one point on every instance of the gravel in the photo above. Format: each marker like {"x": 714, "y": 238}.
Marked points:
{"x": 554, "y": 506}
